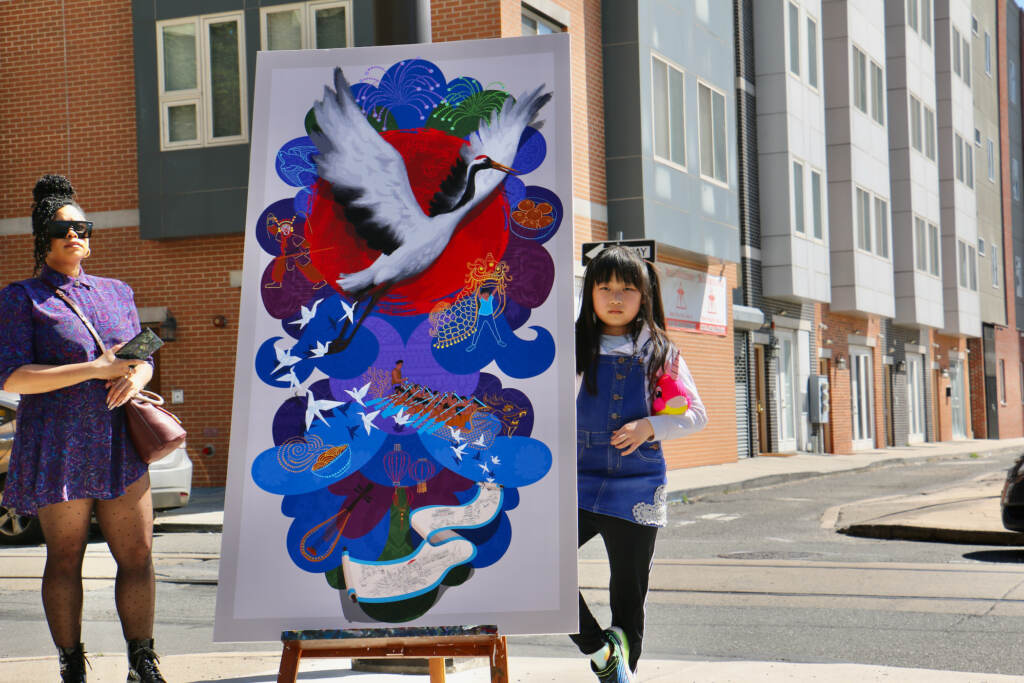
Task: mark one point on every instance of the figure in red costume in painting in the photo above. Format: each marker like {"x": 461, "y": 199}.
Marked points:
{"x": 294, "y": 253}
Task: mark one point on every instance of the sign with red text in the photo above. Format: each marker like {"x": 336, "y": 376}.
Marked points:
{"x": 694, "y": 300}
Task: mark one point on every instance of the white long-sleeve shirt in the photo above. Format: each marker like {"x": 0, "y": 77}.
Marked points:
{"x": 665, "y": 426}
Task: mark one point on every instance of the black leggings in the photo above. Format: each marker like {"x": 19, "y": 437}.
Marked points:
{"x": 630, "y": 549}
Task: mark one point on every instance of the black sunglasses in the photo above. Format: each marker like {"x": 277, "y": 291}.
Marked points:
{"x": 59, "y": 229}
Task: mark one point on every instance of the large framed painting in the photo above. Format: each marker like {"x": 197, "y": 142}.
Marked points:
{"x": 403, "y": 429}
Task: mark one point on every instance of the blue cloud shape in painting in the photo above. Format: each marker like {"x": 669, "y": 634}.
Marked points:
{"x": 491, "y": 541}
{"x": 267, "y": 362}
{"x": 411, "y": 89}
{"x": 345, "y": 428}
{"x": 519, "y": 358}
{"x": 532, "y": 150}
{"x": 310, "y": 511}
{"x": 521, "y": 460}
{"x": 294, "y": 163}
{"x": 460, "y": 88}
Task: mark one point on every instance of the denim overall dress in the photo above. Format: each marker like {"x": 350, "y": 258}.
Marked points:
{"x": 630, "y": 487}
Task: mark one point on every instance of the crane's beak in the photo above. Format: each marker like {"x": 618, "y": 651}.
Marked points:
{"x": 501, "y": 167}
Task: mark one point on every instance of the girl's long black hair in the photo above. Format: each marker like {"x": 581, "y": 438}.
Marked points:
{"x": 619, "y": 263}
{"x": 51, "y": 193}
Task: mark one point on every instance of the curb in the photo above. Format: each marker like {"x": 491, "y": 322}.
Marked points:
{"x": 686, "y": 496}
{"x": 906, "y": 532}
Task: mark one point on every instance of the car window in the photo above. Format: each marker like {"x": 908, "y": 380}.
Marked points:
{"x": 6, "y": 420}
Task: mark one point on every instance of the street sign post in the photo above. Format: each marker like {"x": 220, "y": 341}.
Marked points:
{"x": 643, "y": 248}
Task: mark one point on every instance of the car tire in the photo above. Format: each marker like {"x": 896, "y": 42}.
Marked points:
{"x": 17, "y": 529}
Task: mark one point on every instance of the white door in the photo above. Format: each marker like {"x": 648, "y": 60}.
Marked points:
{"x": 786, "y": 400}
{"x": 956, "y": 401}
{"x": 862, "y": 398}
{"x": 915, "y": 398}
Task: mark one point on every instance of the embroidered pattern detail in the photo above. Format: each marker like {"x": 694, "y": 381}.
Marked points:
{"x": 653, "y": 514}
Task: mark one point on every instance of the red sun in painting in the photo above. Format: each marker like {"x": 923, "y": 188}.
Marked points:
{"x": 429, "y": 155}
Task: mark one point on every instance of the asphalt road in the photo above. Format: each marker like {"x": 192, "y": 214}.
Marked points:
{"x": 750, "y": 575}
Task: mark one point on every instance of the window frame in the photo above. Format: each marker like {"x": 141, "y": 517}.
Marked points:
{"x": 958, "y": 157}
{"x": 817, "y": 205}
{"x": 934, "y": 250}
{"x": 915, "y": 115}
{"x": 988, "y": 54}
{"x": 863, "y": 208}
{"x": 993, "y": 252}
{"x": 929, "y": 133}
{"x": 926, "y": 21}
{"x": 955, "y": 44}
{"x": 201, "y": 95}
{"x": 920, "y": 244}
{"x": 537, "y": 16}
{"x": 860, "y": 59}
{"x": 990, "y": 150}
{"x": 725, "y": 137}
{"x": 793, "y": 38}
{"x": 967, "y": 61}
{"x": 669, "y": 64}
{"x": 912, "y": 15}
{"x": 799, "y": 209}
{"x": 877, "y": 92}
{"x": 812, "y": 56}
{"x": 881, "y": 234}
{"x": 308, "y": 22}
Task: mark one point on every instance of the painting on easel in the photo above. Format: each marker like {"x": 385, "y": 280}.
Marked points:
{"x": 403, "y": 420}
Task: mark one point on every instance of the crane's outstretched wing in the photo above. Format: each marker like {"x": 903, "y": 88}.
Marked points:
{"x": 498, "y": 138}
{"x": 367, "y": 174}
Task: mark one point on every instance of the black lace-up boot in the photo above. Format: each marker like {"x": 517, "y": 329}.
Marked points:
{"x": 142, "y": 661}
{"x": 72, "y": 664}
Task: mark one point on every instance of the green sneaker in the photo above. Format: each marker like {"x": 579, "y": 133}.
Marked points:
{"x": 616, "y": 669}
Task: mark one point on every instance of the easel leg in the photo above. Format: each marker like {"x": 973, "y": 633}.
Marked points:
{"x": 289, "y": 663}
{"x": 499, "y": 661}
{"x": 436, "y": 665}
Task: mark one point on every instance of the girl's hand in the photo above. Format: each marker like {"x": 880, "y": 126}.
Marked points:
{"x": 108, "y": 366}
{"x": 124, "y": 388}
{"x": 631, "y": 435}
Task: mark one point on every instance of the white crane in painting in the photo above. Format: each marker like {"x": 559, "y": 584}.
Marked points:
{"x": 369, "y": 180}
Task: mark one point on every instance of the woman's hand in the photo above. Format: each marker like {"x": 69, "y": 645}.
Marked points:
{"x": 631, "y": 435}
{"x": 108, "y": 366}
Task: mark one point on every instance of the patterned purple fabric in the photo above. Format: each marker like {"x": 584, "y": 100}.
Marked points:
{"x": 67, "y": 445}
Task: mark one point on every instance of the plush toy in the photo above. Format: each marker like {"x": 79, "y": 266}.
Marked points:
{"x": 670, "y": 397}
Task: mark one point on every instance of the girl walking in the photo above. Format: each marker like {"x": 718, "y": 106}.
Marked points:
{"x": 633, "y": 389}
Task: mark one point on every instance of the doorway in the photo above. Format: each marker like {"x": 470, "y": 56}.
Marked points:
{"x": 957, "y": 402}
{"x": 915, "y": 398}
{"x": 786, "y": 383}
{"x": 761, "y": 399}
{"x": 862, "y": 398}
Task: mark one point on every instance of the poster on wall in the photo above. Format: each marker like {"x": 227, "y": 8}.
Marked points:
{"x": 693, "y": 300}
{"x": 403, "y": 417}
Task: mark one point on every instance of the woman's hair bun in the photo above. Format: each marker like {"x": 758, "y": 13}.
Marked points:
{"x": 51, "y": 185}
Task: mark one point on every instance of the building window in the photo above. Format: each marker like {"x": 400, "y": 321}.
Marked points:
{"x": 201, "y": 73}
{"x": 860, "y": 80}
{"x": 972, "y": 268}
{"x": 990, "y": 150}
{"x": 812, "y": 53}
{"x": 958, "y": 156}
{"x": 798, "y": 197}
{"x": 306, "y": 25}
{"x": 1013, "y": 81}
{"x": 669, "y": 112}
{"x": 881, "y": 227}
{"x": 536, "y": 24}
{"x": 816, "y": 216}
{"x": 974, "y": 24}
{"x": 711, "y": 133}
{"x": 926, "y": 21}
{"x": 967, "y": 62}
{"x": 794, "y": 39}
{"x": 988, "y": 53}
{"x": 961, "y": 253}
{"x": 981, "y": 247}
{"x": 968, "y": 165}
{"x": 933, "y": 249}
{"x": 912, "y": 14}
{"x": 863, "y": 220}
{"x": 915, "y": 123}
{"x": 994, "y": 255}
{"x": 920, "y": 244}
{"x": 929, "y": 133}
{"x": 1002, "y": 380}
{"x": 1018, "y": 276}
{"x": 1015, "y": 178}
{"x": 877, "y": 94}
{"x": 955, "y": 44}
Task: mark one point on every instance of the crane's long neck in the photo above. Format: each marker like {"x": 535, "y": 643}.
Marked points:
{"x": 470, "y": 190}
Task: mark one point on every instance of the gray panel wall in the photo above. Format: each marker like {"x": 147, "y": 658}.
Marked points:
{"x": 197, "y": 192}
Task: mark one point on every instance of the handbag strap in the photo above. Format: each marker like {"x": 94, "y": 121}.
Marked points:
{"x": 78, "y": 311}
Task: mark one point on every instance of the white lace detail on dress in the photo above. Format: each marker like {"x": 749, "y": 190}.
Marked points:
{"x": 653, "y": 514}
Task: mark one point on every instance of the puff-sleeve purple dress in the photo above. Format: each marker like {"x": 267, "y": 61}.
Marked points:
{"x": 68, "y": 445}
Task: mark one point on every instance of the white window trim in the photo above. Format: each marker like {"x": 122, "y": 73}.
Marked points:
{"x": 308, "y": 23}
{"x": 875, "y": 198}
{"x": 202, "y": 95}
{"x": 933, "y": 229}
{"x": 537, "y": 16}
{"x": 793, "y": 161}
{"x": 822, "y": 193}
{"x": 725, "y": 110}
{"x": 867, "y": 80}
{"x": 857, "y": 189}
{"x": 990, "y": 160}
{"x": 798, "y": 74}
{"x": 808, "y": 19}
{"x": 988, "y": 54}
{"x": 871, "y": 105}
{"x": 686, "y": 147}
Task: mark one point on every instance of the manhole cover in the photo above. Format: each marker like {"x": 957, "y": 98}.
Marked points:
{"x": 768, "y": 555}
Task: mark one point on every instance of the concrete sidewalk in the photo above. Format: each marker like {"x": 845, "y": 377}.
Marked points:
{"x": 965, "y": 514}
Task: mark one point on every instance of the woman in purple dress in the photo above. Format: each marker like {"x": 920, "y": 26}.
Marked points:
{"x": 72, "y": 457}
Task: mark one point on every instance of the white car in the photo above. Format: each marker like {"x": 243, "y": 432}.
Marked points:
{"x": 170, "y": 480}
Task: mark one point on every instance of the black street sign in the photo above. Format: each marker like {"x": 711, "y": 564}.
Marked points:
{"x": 643, "y": 248}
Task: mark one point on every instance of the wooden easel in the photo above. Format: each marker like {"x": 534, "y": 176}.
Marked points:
{"x": 433, "y": 643}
